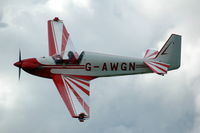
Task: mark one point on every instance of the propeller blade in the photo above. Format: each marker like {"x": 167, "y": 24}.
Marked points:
{"x": 19, "y": 55}
{"x": 19, "y": 73}
{"x": 20, "y": 58}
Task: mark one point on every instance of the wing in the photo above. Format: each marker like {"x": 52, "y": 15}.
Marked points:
{"x": 59, "y": 38}
{"x": 75, "y": 93}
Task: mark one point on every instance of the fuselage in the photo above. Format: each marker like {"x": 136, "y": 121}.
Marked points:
{"x": 89, "y": 64}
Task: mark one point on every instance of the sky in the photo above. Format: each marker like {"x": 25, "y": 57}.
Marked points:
{"x": 130, "y": 104}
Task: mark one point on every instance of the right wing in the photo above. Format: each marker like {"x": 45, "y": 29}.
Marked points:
{"x": 75, "y": 93}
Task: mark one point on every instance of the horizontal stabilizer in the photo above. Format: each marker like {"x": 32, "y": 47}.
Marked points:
{"x": 150, "y": 54}
{"x": 157, "y": 67}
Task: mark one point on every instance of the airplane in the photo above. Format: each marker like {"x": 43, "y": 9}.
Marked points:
{"x": 72, "y": 72}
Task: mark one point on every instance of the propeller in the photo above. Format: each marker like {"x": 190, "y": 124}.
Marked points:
{"x": 20, "y": 62}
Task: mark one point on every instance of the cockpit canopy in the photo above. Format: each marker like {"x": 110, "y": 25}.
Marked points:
{"x": 72, "y": 58}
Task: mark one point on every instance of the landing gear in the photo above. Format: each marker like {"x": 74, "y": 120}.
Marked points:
{"x": 82, "y": 117}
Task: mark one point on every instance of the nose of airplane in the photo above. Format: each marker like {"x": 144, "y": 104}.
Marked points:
{"x": 30, "y": 63}
{"x": 18, "y": 64}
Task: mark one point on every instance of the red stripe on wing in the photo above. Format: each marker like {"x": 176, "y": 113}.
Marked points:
{"x": 81, "y": 101}
{"x": 85, "y": 83}
{"x": 80, "y": 87}
{"x": 52, "y": 45}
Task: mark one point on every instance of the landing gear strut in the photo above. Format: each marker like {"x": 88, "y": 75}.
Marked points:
{"x": 82, "y": 117}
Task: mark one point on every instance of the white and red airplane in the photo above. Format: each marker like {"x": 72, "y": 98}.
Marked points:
{"x": 72, "y": 72}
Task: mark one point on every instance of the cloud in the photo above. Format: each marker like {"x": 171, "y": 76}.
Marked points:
{"x": 3, "y": 25}
{"x": 140, "y": 103}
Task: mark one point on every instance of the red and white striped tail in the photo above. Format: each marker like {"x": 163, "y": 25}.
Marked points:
{"x": 157, "y": 67}
{"x": 150, "y": 54}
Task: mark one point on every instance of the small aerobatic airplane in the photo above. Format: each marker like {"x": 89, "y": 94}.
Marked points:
{"x": 72, "y": 73}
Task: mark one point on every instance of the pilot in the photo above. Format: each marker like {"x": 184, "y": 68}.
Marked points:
{"x": 58, "y": 59}
{"x": 72, "y": 58}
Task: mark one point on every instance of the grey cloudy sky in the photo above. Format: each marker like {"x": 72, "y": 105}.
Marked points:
{"x": 129, "y": 104}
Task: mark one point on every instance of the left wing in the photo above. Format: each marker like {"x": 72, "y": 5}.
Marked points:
{"x": 59, "y": 38}
{"x": 75, "y": 93}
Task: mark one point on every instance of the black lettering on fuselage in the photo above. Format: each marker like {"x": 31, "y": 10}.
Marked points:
{"x": 104, "y": 68}
{"x": 123, "y": 66}
{"x": 88, "y": 66}
{"x": 114, "y": 66}
{"x": 132, "y": 66}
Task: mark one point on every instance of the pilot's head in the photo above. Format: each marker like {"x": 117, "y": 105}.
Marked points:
{"x": 71, "y": 55}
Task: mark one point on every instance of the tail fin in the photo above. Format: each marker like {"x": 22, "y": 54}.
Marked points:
{"x": 171, "y": 52}
{"x": 168, "y": 58}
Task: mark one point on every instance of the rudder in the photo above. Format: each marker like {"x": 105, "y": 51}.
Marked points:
{"x": 170, "y": 53}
